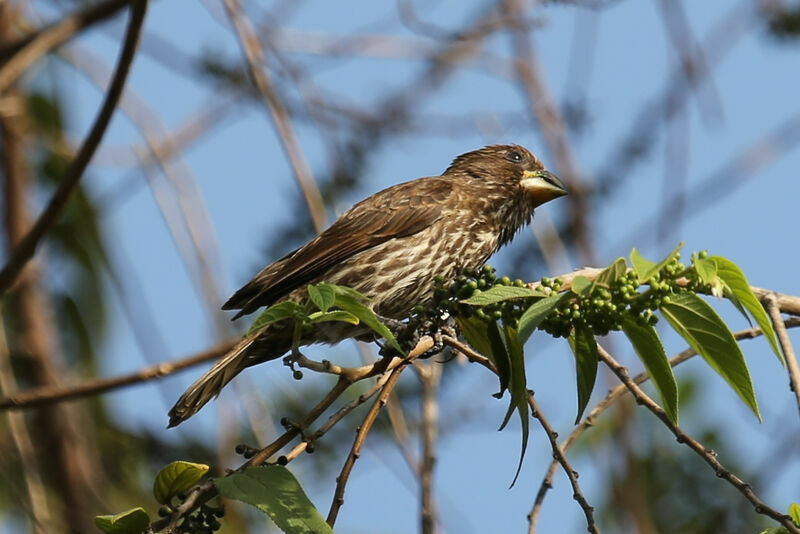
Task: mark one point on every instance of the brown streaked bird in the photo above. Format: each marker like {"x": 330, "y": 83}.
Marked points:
{"x": 389, "y": 247}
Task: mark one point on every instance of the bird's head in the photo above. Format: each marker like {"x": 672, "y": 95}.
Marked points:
{"x": 510, "y": 166}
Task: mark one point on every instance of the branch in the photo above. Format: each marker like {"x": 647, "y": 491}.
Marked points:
{"x": 707, "y": 455}
{"x": 429, "y": 376}
{"x": 206, "y": 491}
{"x": 771, "y": 304}
{"x": 49, "y": 395}
{"x": 280, "y": 116}
{"x": 424, "y": 344}
{"x": 558, "y": 454}
{"x": 612, "y": 396}
{"x": 358, "y": 443}
{"x": 20, "y": 54}
{"x": 27, "y": 246}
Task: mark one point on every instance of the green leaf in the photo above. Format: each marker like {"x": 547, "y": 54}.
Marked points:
{"x": 584, "y": 346}
{"x": 498, "y": 353}
{"x": 610, "y": 274}
{"x": 641, "y": 266}
{"x": 646, "y": 269}
{"x": 287, "y": 309}
{"x": 276, "y": 492}
{"x": 175, "y": 478}
{"x": 734, "y": 279}
{"x": 706, "y": 269}
{"x": 485, "y": 338}
{"x": 476, "y": 333}
{"x": 134, "y": 521}
{"x": 581, "y": 285}
{"x": 351, "y": 303}
{"x": 774, "y": 530}
{"x": 538, "y": 312}
{"x": 706, "y": 333}
{"x": 322, "y": 295}
{"x": 336, "y": 315}
{"x": 501, "y": 293}
{"x": 794, "y": 513}
{"x": 349, "y": 291}
{"x": 519, "y": 390}
{"x": 647, "y": 345}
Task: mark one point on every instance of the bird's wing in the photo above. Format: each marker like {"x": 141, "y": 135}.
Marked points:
{"x": 398, "y": 211}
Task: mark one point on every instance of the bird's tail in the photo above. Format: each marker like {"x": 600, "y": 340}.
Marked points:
{"x": 209, "y": 385}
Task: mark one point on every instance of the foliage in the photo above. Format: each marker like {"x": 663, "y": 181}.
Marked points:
{"x": 276, "y": 492}
{"x": 497, "y": 315}
{"x": 351, "y": 307}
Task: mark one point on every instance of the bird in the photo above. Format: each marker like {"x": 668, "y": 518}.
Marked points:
{"x": 391, "y": 247}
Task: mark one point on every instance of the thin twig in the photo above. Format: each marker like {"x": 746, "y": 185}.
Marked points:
{"x": 612, "y": 396}
{"x": 199, "y": 250}
{"x": 552, "y": 127}
{"x": 358, "y": 443}
{"x": 470, "y": 353}
{"x": 708, "y": 455}
{"x": 280, "y": 116}
{"x": 49, "y": 395}
{"x": 429, "y": 376}
{"x": 39, "y": 509}
{"x": 22, "y": 53}
{"x": 425, "y": 344}
{"x": 206, "y": 491}
{"x": 558, "y": 454}
{"x": 27, "y": 246}
{"x": 771, "y": 304}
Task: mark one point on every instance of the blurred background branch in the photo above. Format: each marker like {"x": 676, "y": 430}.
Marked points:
{"x": 668, "y": 121}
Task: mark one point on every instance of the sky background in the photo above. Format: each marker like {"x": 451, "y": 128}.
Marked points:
{"x": 618, "y": 60}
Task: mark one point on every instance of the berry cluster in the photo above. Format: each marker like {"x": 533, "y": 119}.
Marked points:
{"x": 204, "y": 520}
{"x": 600, "y": 307}
{"x": 448, "y": 297}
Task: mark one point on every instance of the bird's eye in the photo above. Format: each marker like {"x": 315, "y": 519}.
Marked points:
{"x": 514, "y": 156}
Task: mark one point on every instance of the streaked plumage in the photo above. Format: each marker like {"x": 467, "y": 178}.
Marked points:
{"x": 390, "y": 247}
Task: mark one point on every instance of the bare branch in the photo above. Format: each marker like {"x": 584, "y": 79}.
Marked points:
{"x": 612, "y": 396}
{"x": 21, "y": 54}
{"x": 280, "y": 116}
{"x": 49, "y": 395}
{"x": 429, "y": 376}
{"x": 558, "y": 454}
{"x": 25, "y": 249}
{"x": 425, "y": 344}
{"x": 708, "y": 455}
{"x": 771, "y": 304}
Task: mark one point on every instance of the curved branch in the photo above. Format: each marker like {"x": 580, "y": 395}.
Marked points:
{"x": 20, "y": 54}
{"x": 25, "y": 249}
{"x": 206, "y": 491}
{"x": 612, "y": 396}
{"x": 558, "y": 454}
{"x": 48, "y": 395}
{"x": 706, "y": 454}
{"x": 358, "y": 443}
{"x": 772, "y": 306}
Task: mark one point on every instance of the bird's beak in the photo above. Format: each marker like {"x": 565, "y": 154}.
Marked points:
{"x": 542, "y": 186}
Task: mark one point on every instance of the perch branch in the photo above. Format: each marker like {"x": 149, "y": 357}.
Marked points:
{"x": 707, "y": 455}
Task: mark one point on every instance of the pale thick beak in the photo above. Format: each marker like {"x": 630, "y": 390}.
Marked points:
{"x": 542, "y": 186}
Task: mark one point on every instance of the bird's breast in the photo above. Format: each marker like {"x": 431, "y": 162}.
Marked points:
{"x": 399, "y": 274}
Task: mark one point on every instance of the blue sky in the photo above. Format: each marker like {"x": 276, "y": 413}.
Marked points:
{"x": 246, "y": 187}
